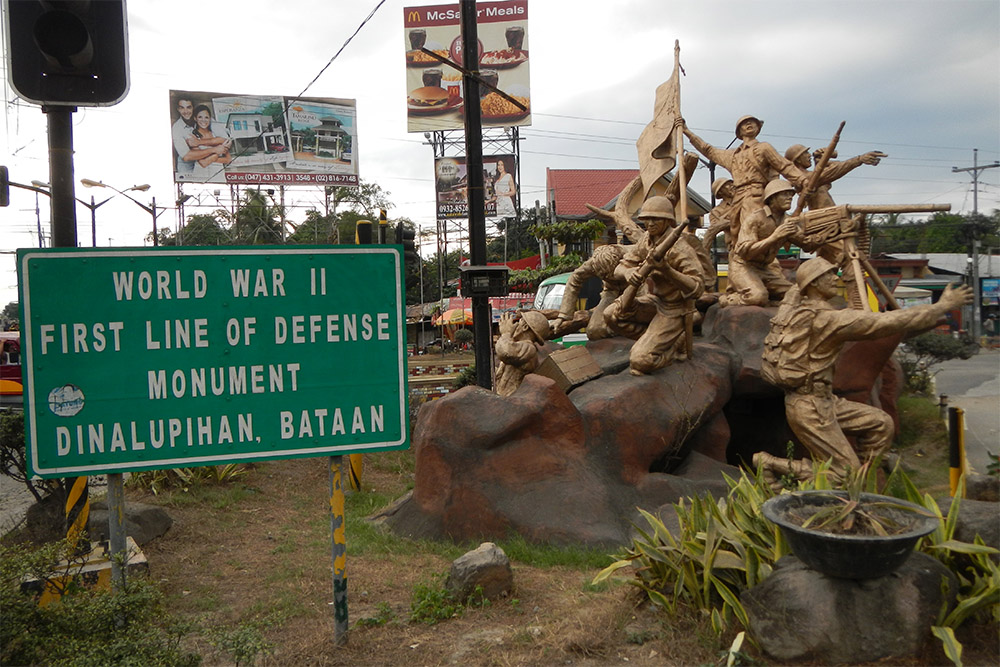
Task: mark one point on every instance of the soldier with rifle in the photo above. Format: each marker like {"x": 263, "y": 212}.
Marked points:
{"x": 755, "y": 278}
{"x": 661, "y": 320}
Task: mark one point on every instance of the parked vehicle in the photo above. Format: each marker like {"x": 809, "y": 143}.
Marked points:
{"x": 11, "y": 383}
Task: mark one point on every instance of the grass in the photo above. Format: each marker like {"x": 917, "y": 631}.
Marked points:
{"x": 923, "y": 443}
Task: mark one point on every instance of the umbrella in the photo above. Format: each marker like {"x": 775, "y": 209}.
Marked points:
{"x": 454, "y": 316}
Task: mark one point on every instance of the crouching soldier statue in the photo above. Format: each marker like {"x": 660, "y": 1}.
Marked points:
{"x": 800, "y": 351}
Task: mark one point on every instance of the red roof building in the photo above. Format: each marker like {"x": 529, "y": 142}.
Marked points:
{"x": 568, "y": 191}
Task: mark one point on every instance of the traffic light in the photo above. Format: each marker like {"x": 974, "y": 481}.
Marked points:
{"x": 66, "y": 53}
{"x": 405, "y": 236}
{"x": 4, "y": 187}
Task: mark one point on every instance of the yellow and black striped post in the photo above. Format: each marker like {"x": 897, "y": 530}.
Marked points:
{"x": 956, "y": 448}
{"x": 337, "y": 524}
{"x": 77, "y": 514}
{"x": 355, "y": 466}
{"x": 383, "y": 227}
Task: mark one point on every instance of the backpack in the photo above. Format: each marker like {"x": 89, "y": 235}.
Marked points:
{"x": 785, "y": 361}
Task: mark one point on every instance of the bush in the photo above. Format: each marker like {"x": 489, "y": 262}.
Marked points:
{"x": 13, "y": 458}
{"x": 724, "y": 547}
{"x": 464, "y": 337}
{"x": 85, "y": 627}
{"x": 918, "y": 356}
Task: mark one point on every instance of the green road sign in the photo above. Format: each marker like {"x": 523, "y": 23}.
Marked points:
{"x": 163, "y": 358}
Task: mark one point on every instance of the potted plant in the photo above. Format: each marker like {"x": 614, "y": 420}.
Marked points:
{"x": 849, "y": 533}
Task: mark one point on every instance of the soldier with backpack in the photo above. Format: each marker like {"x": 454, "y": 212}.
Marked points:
{"x": 800, "y": 352}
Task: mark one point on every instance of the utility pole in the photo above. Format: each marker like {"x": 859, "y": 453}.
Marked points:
{"x": 977, "y": 297}
{"x": 481, "y": 318}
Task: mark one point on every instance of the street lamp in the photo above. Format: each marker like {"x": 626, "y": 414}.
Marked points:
{"x": 151, "y": 209}
{"x": 43, "y": 186}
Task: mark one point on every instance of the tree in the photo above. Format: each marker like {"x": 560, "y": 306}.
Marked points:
{"x": 941, "y": 232}
{"x": 921, "y": 353}
{"x": 10, "y": 319}
{"x": 517, "y": 235}
{"x": 317, "y": 229}
{"x": 258, "y": 221}
{"x": 202, "y": 229}
{"x": 367, "y": 198}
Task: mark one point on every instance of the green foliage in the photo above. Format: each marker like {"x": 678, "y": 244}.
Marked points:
{"x": 527, "y": 280}
{"x": 316, "y": 229}
{"x": 433, "y": 604}
{"x": 464, "y": 336}
{"x": 184, "y": 478}
{"x": 257, "y": 221}
{"x": 566, "y": 232}
{"x": 466, "y": 377}
{"x": 201, "y": 230}
{"x": 552, "y": 555}
{"x": 918, "y": 356}
{"x": 244, "y": 642}
{"x": 383, "y": 615}
{"x": 725, "y": 547}
{"x": 941, "y": 232}
{"x": 84, "y": 627}
{"x": 10, "y": 317}
{"x": 13, "y": 457}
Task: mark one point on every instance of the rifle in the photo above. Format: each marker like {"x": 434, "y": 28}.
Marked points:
{"x": 818, "y": 171}
{"x": 655, "y": 255}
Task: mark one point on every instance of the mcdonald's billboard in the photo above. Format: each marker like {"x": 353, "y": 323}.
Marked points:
{"x": 434, "y": 95}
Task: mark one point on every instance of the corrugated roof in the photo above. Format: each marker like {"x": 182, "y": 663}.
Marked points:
{"x": 954, "y": 262}
{"x": 573, "y": 189}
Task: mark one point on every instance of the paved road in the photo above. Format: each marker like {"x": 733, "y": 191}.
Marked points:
{"x": 974, "y": 385}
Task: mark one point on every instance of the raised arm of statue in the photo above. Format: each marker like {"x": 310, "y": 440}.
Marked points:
{"x": 717, "y": 155}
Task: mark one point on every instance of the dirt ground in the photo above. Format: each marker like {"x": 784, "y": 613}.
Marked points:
{"x": 264, "y": 559}
{"x": 259, "y": 555}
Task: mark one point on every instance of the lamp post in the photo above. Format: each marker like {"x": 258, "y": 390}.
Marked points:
{"x": 151, "y": 209}
{"x": 40, "y": 186}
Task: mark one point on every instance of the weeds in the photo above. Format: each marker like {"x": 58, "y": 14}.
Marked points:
{"x": 383, "y": 615}
{"x": 431, "y": 604}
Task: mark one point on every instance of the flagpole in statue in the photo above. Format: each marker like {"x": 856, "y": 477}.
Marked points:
{"x": 682, "y": 199}
{"x": 679, "y": 139}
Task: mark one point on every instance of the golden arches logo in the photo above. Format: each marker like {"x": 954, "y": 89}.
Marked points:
{"x": 413, "y": 17}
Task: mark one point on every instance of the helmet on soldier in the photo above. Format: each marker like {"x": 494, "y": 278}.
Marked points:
{"x": 812, "y": 269}
{"x": 717, "y": 185}
{"x": 794, "y": 151}
{"x": 657, "y": 207}
{"x": 606, "y": 258}
{"x": 776, "y": 186}
{"x": 538, "y": 324}
{"x": 760, "y": 123}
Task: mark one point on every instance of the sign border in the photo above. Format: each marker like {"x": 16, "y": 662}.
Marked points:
{"x": 31, "y": 442}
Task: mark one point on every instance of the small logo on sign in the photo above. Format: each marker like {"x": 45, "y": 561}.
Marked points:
{"x": 66, "y": 401}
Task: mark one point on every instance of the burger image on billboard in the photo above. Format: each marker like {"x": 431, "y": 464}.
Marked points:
{"x": 428, "y": 98}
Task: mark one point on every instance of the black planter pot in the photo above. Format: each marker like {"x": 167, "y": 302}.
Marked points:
{"x": 848, "y": 556}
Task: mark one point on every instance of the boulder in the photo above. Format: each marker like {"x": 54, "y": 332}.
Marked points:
{"x": 976, "y": 517}
{"x": 143, "y": 523}
{"x": 45, "y": 521}
{"x": 483, "y": 572}
{"x": 573, "y": 468}
{"x": 800, "y": 615}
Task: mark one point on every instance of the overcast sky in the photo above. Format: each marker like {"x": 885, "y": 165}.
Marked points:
{"x": 919, "y": 80}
